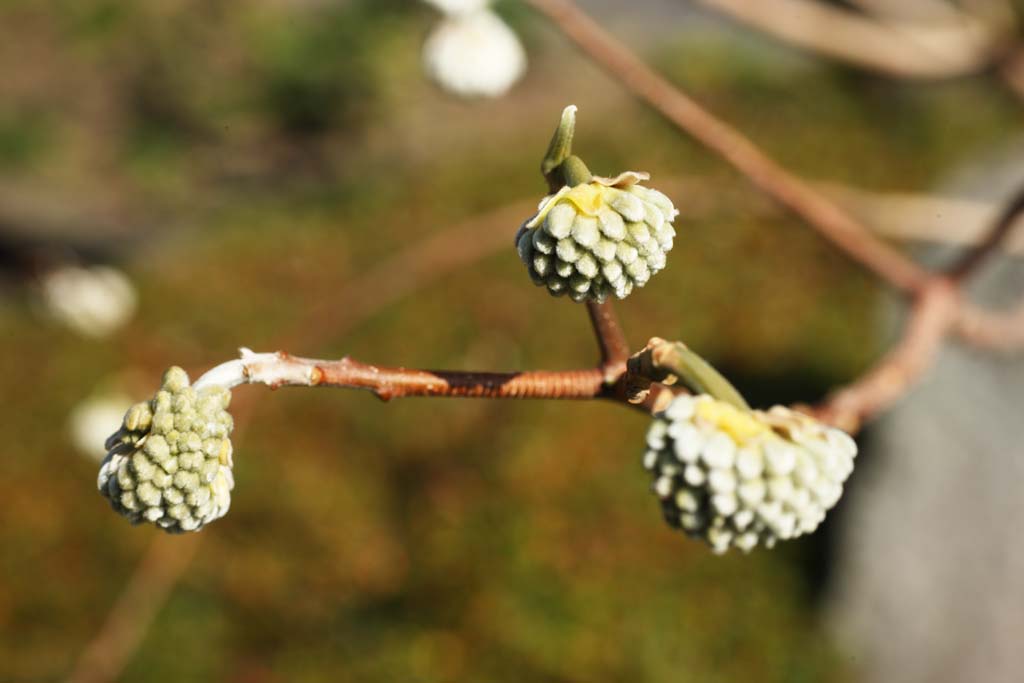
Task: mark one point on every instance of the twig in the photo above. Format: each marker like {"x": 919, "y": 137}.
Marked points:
{"x": 913, "y": 10}
{"x": 610, "y": 339}
{"x": 995, "y": 236}
{"x": 994, "y": 331}
{"x": 1011, "y": 69}
{"x": 922, "y": 217}
{"x": 938, "y": 310}
{"x": 818, "y": 211}
{"x": 999, "y": 331}
{"x": 135, "y": 609}
{"x": 281, "y": 369}
{"x": 665, "y": 362}
{"x": 940, "y": 48}
{"x": 923, "y": 39}
{"x": 933, "y": 314}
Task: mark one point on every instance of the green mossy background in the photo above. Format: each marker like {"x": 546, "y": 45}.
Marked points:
{"x": 248, "y": 162}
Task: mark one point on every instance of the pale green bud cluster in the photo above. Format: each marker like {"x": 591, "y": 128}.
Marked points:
{"x": 741, "y": 479}
{"x": 170, "y": 462}
{"x": 598, "y": 239}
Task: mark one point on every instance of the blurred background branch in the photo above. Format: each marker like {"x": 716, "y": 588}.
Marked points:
{"x": 924, "y": 218}
{"x": 889, "y": 380}
{"x": 142, "y": 597}
{"x": 935, "y": 40}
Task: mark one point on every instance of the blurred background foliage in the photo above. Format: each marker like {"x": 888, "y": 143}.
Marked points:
{"x": 244, "y": 161}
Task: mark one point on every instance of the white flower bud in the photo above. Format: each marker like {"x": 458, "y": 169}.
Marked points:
{"x": 170, "y": 463}
{"x": 604, "y": 234}
{"x": 740, "y": 479}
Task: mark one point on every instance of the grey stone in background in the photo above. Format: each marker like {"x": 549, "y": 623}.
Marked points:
{"x": 929, "y": 573}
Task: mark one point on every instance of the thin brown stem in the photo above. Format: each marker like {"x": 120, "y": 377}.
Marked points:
{"x": 946, "y": 44}
{"x": 136, "y": 607}
{"x": 610, "y": 339}
{"x": 995, "y": 331}
{"x": 971, "y": 261}
{"x": 933, "y": 314}
{"x": 1001, "y": 331}
{"x": 818, "y": 211}
{"x": 281, "y": 369}
{"x": 389, "y": 383}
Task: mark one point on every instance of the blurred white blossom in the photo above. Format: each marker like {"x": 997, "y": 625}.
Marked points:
{"x": 93, "y": 301}
{"x": 458, "y": 6}
{"x": 474, "y": 54}
{"x": 93, "y": 420}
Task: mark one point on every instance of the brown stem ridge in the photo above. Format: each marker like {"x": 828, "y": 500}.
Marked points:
{"x": 389, "y": 383}
{"x": 933, "y": 315}
{"x": 610, "y": 339}
{"x": 974, "y": 258}
{"x": 396, "y": 382}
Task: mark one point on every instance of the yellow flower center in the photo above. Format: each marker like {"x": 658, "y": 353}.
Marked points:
{"x": 741, "y": 426}
{"x": 588, "y": 198}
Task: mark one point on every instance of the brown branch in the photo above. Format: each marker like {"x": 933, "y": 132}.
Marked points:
{"x": 995, "y": 331}
{"x": 919, "y": 40}
{"x": 923, "y": 11}
{"x": 822, "y": 214}
{"x": 941, "y": 47}
{"x": 610, "y": 339}
{"x": 1001, "y": 331}
{"x": 923, "y": 217}
{"x": 932, "y": 316}
{"x": 135, "y": 609}
{"x": 1011, "y": 69}
{"x": 388, "y": 383}
{"x": 281, "y": 369}
{"x": 971, "y": 261}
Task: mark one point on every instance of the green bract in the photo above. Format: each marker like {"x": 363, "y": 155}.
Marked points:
{"x": 170, "y": 462}
{"x": 598, "y": 238}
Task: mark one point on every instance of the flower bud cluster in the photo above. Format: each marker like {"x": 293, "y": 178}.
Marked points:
{"x": 739, "y": 479}
{"x": 597, "y": 239}
{"x": 170, "y": 462}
